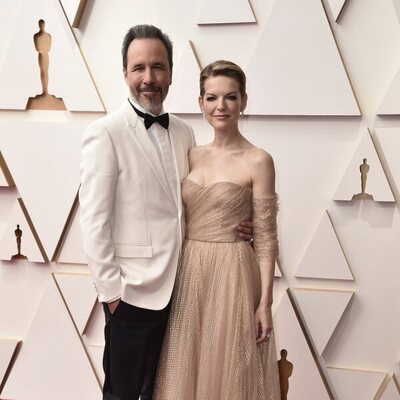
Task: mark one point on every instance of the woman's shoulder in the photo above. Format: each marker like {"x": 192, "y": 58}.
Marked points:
{"x": 198, "y": 151}
{"x": 258, "y": 157}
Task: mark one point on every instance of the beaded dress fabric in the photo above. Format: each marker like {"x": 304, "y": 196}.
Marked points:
{"x": 210, "y": 350}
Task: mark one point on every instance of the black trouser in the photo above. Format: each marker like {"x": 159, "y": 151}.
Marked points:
{"x": 134, "y": 338}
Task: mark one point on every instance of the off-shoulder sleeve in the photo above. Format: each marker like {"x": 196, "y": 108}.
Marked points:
{"x": 265, "y": 232}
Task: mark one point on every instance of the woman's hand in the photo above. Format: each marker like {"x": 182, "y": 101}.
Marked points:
{"x": 263, "y": 323}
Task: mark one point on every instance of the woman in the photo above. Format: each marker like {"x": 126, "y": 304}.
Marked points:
{"x": 219, "y": 343}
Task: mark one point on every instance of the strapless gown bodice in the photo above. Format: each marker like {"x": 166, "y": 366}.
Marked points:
{"x": 213, "y": 212}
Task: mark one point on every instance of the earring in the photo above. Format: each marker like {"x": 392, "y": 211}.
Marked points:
{"x": 241, "y": 113}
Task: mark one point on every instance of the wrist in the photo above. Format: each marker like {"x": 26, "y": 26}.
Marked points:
{"x": 265, "y": 305}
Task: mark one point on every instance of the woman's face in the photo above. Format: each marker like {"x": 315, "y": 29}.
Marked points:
{"x": 222, "y": 102}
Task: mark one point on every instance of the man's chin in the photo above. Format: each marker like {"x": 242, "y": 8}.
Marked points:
{"x": 151, "y": 105}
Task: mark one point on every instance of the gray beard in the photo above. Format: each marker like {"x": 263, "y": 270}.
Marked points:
{"x": 151, "y": 106}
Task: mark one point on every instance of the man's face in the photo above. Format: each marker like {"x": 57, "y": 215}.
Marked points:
{"x": 148, "y": 73}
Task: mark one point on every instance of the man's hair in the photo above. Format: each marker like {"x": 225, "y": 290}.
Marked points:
{"x": 145, "y": 32}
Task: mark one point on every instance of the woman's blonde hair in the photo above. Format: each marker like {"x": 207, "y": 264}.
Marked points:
{"x": 223, "y": 68}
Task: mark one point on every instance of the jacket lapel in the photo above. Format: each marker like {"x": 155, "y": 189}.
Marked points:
{"x": 178, "y": 161}
{"x": 140, "y": 135}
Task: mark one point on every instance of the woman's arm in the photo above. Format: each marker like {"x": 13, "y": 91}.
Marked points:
{"x": 265, "y": 236}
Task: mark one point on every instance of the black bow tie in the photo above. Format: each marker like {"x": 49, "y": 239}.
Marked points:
{"x": 149, "y": 120}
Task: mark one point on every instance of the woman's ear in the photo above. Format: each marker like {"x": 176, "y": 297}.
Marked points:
{"x": 201, "y": 104}
{"x": 244, "y": 102}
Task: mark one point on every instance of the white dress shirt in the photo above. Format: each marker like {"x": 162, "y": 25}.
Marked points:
{"x": 161, "y": 139}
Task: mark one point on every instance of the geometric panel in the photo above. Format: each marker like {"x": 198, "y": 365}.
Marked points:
{"x": 364, "y": 177}
{"x": 351, "y": 384}
{"x": 322, "y": 310}
{"x": 8, "y": 353}
{"x": 79, "y": 295}
{"x": 391, "y": 391}
{"x": 94, "y": 331}
{"x": 226, "y": 12}
{"x": 19, "y": 240}
{"x": 96, "y": 357}
{"x": 336, "y": 7}
{"x": 389, "y": 139}
{"x": 68, "y": 76}
{"x": 52, "y": 363}
{"x": 6, "y": 179}
{"x": 289, "y": 336}
{"x": 184, "y": 93}
{"x": 3, "y": 179}
{"x": 71, "y": 251}
{"x": 73, "y": 10}
{"x": 44, "y": 161}
{"x": 278, "y": 272}
{"x": 324, "y": 257}
{"x": 298, "y": 65}
{"x": 390, "y": 104}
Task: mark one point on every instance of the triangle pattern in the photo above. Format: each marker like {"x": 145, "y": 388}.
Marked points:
{"x": 54, "y": 165}
{"x": 79, "y": 295}
{"x": 289, "y": 336}
{"x": 8, "y": 350}
{"x": 6, "y": 179}
{"x": 3, "y": 179}
{"x": 350, "y": 384}
{"x": 96, "y": 357}
{"x": 391, "y": 391}
{"x": 73, "y": 10}
{"x": 390, "y": 104}
{"x": 336, "y": 7}
{"x": 69, "y": 78}
{"x": 30, "y": 244}
{"x": 226, "y": 12}
{"x": 185, "y": 89}
{"x": 389, "y": 139}
{"x": 278, "y": 272}
{"x": 376, "y": 182}
{"x": 324, "y": 257}
{"x": 296, "y": 68}
{"x": 49, "y": 371}
{"x": 71, "y": 251}
{"x": 94, "y": 331}
{"x": 322, "y": 311}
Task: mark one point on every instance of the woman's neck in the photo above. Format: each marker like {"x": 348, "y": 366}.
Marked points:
{"x": 228, "y": 140}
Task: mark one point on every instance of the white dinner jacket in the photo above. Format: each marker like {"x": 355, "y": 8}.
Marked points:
{"x": 132, "y": 227}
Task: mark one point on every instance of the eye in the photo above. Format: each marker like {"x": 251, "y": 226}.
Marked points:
{"x": 159, "y": 67}
{"x": 232, "y": 97}
{"x": 210, "y": 98}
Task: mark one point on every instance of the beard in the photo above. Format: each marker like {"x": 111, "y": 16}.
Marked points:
{"x": 151, "y": 102}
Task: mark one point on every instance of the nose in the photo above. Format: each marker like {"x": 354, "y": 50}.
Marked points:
{"x": 148, "y": 76}
{"x": 221, "y": 104}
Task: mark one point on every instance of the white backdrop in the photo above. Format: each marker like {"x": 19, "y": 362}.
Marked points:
{"x": 312, "y": 150}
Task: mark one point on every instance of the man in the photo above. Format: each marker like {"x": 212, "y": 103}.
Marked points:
{"x": 131, "y": 214}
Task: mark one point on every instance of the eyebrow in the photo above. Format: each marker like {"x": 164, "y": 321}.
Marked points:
{"x": 212, "y": 94}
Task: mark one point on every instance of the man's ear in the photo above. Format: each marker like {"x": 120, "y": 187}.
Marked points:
{"x": 124, "y": 71}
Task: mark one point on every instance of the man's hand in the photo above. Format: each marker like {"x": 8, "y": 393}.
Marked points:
{"x": 246, "y": 230}
{"x": 113, "y": 305}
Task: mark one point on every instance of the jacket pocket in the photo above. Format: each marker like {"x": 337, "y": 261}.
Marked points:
{"x": 133, "y": 251}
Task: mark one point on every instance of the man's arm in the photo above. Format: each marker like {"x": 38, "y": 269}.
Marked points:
{"x": 99, "y": 172}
